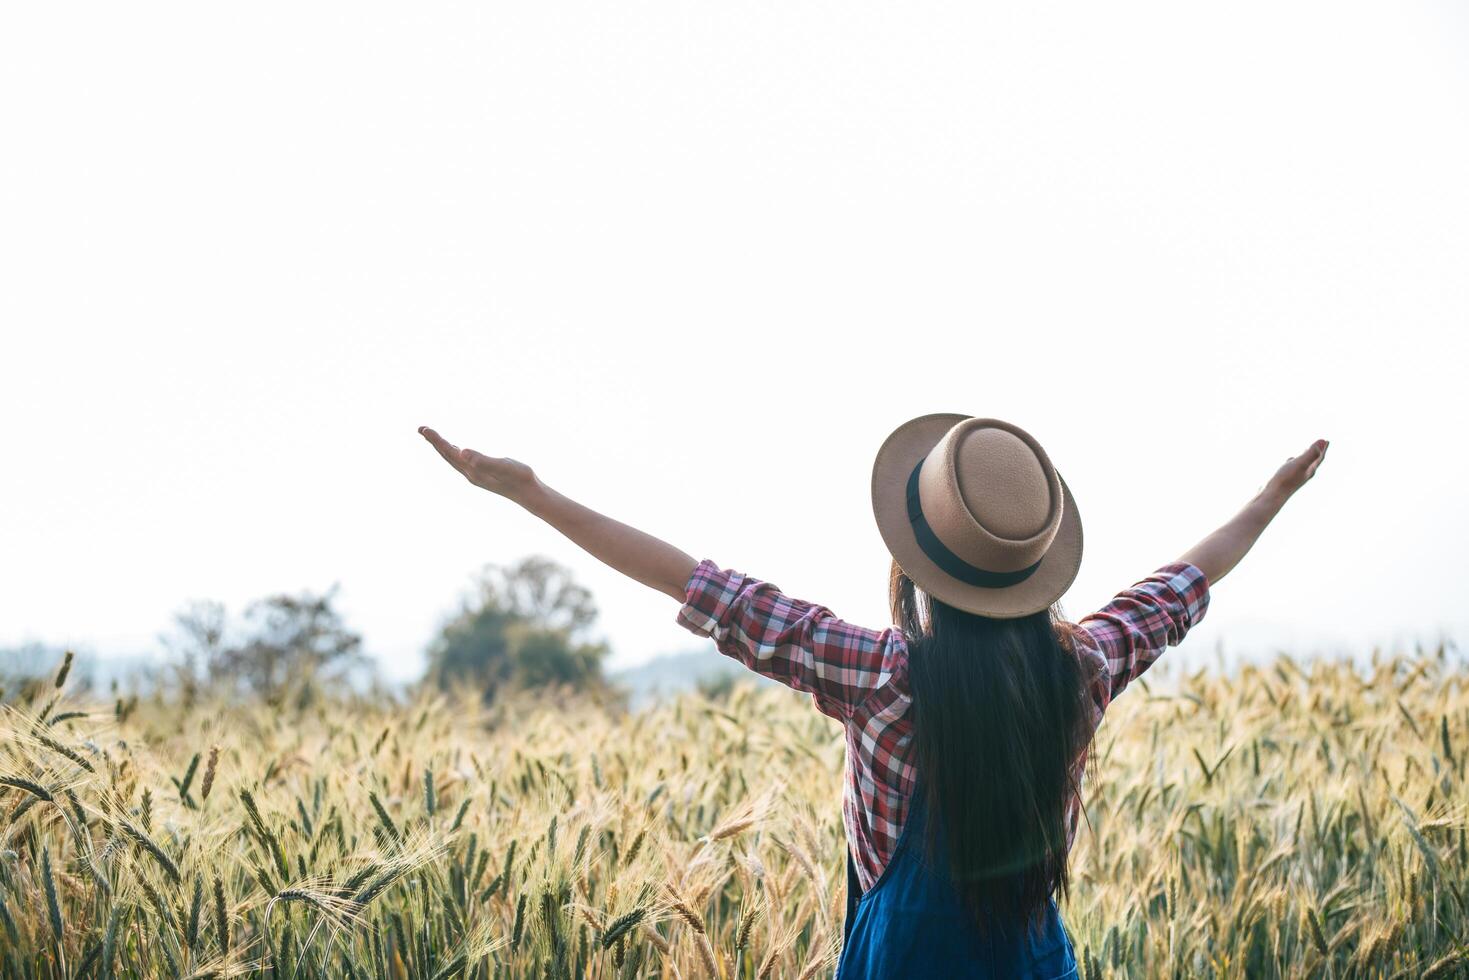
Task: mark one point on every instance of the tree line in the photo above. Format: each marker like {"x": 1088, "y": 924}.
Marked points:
{"x": 521, "y": 626}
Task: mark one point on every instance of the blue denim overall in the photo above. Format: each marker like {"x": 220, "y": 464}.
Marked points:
{"x": 910, "y": 924}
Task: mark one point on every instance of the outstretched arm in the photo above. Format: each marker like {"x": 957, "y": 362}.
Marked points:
{"x": 1217, "y": 554}
{"x": 1132, "y": 630}
{"x": 636, "y": 554}
{"x": 801, "y": 644}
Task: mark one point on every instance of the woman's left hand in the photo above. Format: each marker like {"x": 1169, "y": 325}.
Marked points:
{"x": 634, "y": 553}
{"x": 509, "y": 478}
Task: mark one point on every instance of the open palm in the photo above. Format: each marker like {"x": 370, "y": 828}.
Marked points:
{"x": 507, "y": 477}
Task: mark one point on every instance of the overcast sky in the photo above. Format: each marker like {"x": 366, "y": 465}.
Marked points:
{"x": 693, "y": 261}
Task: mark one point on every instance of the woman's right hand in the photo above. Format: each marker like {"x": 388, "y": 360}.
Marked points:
{"x": 1296, "y": 471}
{"x": 509, "y": 478}
{"x": 1217, "y": 554}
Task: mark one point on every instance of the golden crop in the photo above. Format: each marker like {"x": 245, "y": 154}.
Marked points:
{"x": 1286, "y": 820}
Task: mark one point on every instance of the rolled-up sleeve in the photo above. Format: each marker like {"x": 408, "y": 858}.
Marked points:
{"x": 1133, "y": 629}
{"x": 800, "y": 644}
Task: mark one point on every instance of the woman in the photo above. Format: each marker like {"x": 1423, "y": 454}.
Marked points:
{"x": 968, "y": 722}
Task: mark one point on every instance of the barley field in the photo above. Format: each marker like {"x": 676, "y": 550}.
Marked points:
{"x": 1293, "y": 819}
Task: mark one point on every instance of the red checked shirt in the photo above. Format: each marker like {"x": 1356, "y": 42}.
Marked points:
{"x": 860, "y": 676}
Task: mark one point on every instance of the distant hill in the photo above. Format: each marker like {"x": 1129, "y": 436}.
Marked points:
{"x": 676, "y": 673}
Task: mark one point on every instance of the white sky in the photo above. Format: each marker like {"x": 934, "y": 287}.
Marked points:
{"x": 694, "y": 261}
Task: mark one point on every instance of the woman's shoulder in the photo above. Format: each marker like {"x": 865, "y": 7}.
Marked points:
{"x": 1084, "y": 647}
{"x": 1074, "y": 637}
{"x": 891, "y": 695}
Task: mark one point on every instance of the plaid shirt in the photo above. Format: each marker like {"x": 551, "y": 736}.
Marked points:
{"x": 860, "y": 676}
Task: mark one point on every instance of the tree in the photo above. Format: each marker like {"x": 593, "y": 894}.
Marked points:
{"x": 284, "y": 638}
{"x": 197, "y": 641}
{"x": 520, "y": 627}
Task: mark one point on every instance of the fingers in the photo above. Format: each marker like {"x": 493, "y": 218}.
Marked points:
{"x": 1312, "y": 455}
{"x": 1317, "y": 453}
{"x": 446, "y": 449}
{"x": 476, "y": 467}
{"x": 1296, "y": 471}
{"x": 1305, "y": 465}
{"x": 444, "y": 446}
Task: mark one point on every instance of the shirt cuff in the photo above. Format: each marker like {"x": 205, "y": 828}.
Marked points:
{"x": 707, "y": 597}
{"x": 1187, "y": 582}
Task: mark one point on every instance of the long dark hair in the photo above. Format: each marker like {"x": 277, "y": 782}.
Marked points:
{"x": 999, "y": 725}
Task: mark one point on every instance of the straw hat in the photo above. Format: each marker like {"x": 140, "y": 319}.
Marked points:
{"x": 976, "y": 515}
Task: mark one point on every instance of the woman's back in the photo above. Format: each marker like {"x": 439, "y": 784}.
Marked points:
{"x": 862, "y": 678}
{"x": 913, "y": 922}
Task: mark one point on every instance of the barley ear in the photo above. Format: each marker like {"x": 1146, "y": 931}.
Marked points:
{"x": 221, "y": 917}
{"x": 53, "y": 905}
{"x": 65, "y": 669}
